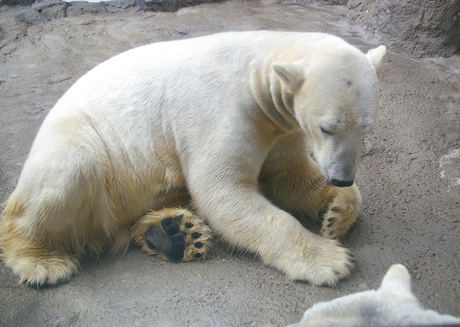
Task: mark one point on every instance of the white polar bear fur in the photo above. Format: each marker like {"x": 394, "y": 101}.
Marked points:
{"x": 212, "y": 120}
{"x": 393, "y": 304}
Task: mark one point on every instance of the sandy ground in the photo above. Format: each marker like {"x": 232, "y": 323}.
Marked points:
{"x": 409, "y": 178}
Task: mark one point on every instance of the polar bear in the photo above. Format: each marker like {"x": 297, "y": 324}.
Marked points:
{"x": 393, "y": 304}
{"x": 222, "y": 125}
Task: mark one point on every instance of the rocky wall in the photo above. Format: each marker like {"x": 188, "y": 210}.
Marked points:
{"x": 418, "y": 27}
{"x": 82, "y": 7}
{"x": 421, "y": 27}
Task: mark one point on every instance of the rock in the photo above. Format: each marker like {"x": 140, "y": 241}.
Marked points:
{"x": 29, "y": 16}
{"x": 158, "y": 5}
{"x": 168, "y": 5}
{"x": 78, "y": 8}
{"x": 51, "y": 9}
{"x": 310, "y": 2}
{"x": 16, "y": 2}
{"x": 44, "y": 10}
{"x": 418, "y": 27}
{"x": 423, "y": 27}
{"x": 121, "y": 5}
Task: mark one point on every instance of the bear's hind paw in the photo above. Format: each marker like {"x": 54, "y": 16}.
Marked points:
{"x": 175, "y": 234}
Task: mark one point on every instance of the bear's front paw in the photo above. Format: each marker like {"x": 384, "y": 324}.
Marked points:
{"x": 320, "y": 261}
{"x": 342, "y": 212}
{"x": 175, "y": 234}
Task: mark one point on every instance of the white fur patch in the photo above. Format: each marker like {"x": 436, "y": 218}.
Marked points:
{"x": 393, "y": 304}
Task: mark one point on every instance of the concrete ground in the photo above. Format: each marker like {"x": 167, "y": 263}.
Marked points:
{"x": 409, "y": 177}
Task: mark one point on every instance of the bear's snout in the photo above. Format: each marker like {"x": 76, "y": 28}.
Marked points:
{"x": 335, "y": 182}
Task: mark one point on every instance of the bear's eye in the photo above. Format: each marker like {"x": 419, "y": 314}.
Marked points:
{"x": 325, "y": 131}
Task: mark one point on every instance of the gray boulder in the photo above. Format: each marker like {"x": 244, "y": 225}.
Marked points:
{"x": 421, "y": 27}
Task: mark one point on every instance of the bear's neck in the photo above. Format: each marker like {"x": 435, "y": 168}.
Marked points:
{"x": 274, "y": 103}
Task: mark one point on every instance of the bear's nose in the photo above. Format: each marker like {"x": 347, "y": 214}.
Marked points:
{"x": 338, "y": 183}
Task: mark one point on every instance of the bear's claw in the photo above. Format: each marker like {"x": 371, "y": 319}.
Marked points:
{"x": 342, "y": 212}
{"x": 175, "y": 234}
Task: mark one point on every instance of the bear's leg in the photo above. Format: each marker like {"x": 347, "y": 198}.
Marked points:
{"x": 246, "y": 220}
{"x": 173, "y": 233}
{"x": 60, "y": 209}
{"x": 292, "y": 180}
{"x": 41, "y": 238}
{"x": 34, "y": 263}
{"x": 233, "y": 206}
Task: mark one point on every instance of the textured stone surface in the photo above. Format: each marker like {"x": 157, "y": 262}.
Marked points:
{"x": 422, "y": 27}
{"x": 168, "y": 5}
{"x": 314, "y": 2}
{"x": 419, "y": 27}
{"x": 52, "y": 9}
{"x": 16, "y": 2}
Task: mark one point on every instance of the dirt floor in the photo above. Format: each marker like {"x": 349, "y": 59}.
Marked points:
{"x": 409, "y": 178}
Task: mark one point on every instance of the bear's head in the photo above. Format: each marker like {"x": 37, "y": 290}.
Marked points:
{"x": 335, "y": 99}
{"x": 392, "y": 304}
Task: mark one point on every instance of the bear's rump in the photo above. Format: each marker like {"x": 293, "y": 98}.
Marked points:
{"x": 83, "y": 184}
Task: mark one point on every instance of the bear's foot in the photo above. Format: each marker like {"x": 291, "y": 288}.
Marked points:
{"x": 319, "y": 261}
{"x": 38, "y": 266}
{"x": 175, "y": 234}
{"x": 342, "y": 212}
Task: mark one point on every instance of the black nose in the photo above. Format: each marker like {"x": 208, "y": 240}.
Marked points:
{"x": 341, "y": 183}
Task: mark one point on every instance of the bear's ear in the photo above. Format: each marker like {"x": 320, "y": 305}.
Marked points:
{"x": 376, "y": 57}
{"x": 290, "y": 74}
{"x": 396, "y": 280}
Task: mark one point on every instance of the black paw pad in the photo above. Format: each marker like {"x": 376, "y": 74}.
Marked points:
{"x": 196, "y": 235}
{"x": 150, "y": 243}
{"x": 154, "y": 238}
{"x": 170, "y": 241}
{"x": 175, "y": 247}
{"x": 179, "y": 238}
{"x": 170, "y": 226}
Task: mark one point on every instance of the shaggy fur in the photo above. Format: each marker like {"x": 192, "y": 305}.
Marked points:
{"x": 222, "y": 124}
{"x": 393, "y": 304}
